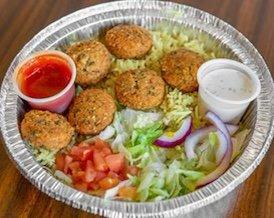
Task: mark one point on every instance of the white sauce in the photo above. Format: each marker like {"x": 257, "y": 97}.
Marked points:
{"x": 229, "y": 84}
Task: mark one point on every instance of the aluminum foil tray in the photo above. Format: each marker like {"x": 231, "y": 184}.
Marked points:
{"x": 89, "y": 22}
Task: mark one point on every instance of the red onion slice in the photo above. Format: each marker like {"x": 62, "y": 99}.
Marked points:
{"x": 219, "y": 124}
{"x": 223, "y": 165}
{"x": 178, "y": 137}
{"x": 223, "y": 135}
{"x": 195, "y": 137}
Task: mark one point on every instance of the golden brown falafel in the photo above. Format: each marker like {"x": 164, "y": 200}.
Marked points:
{"x": 140, "y": 89}
{"x": 46, "y": 129}
{"x": 91, "y": 111}
{"x": 179, "y": 69}
{"x": 128, "y": 41}
{"x": 92, "y": 61}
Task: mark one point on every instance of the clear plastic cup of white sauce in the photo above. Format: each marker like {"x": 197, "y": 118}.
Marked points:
{"x": 226, "y": 87}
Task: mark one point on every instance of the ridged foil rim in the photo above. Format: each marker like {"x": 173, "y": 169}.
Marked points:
{"x": 254, "y": 152}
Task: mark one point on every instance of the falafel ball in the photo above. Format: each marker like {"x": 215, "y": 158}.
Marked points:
{"x": 91, "y": 111}
{"x": 140, "y": 89}
{"x": 179, "y": 69}
{"x": 46, "y": 129}
{"x": 128, "y": 41}
{"x": 92, "y": 61}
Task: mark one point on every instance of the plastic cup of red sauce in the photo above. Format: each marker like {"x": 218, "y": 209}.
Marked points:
{"x": 46, "y": 80}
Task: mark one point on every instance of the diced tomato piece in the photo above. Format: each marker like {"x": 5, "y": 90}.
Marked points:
{"x": 74, "y": 166}
{"x": 106, "y": 151}
{"x": 89, "y": 165}
{"x": 87, "y": 154}
{"x": 100, "y": 144}
{"x": 108, "y": 183}
{"x": 68, "y": 160}
{"x": 132, "y": 170}
{"x": 93, "y": 186}
{"x": 100, "y": 176}
{"x": 99, "y": 162}
{"x": 128, "y": 192}
{"x": 113, "y": 175}
{"x": 76, "y": 151}
{"x": 115, "y": 162}
{"x": 82, "y": 186}
{"x": 93, "y": 166}
{"x": 78, "y": 176}
{"x": 123, "y": 175}
{"x": 90, "y": 172}
{"x": 60, "y": 161}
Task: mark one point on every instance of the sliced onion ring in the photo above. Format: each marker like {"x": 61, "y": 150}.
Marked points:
{"x": 219, "y": 124}
{"x": 222, "y": 133}
{"x": 223, "y": 165}
{"x": 178, "y": 137}
{"x": 195, "y": 137}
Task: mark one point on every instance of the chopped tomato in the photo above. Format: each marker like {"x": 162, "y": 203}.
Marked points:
{"x": 123, "y": 175}
{"x": 78, "y": 176}
{"x": 108, "y": 183}
{"x": 93, "y": 166}
{"x": 106, "y": 151}
{"x": 128, "y": 192}
{"x": 82, "y": 186}
{"x": 115, "y": 162}
{"x": 100, "y": 144}
{"x": 90, "y": 173}
{"x": 81, "y": 153}
{"x": 60, "y": 161}
{"x": 76, "y": 152}
{"x": 132, "y": 170}
{"x": 93, "y": 186}
{"x": 74, "y": 166}
{"x": 100, "y": 176}
{"x": 68, "y": 160}
{"x": 87, "y": 154}
{"x": 112, "y": 174}
{"x": 99, "y": 162}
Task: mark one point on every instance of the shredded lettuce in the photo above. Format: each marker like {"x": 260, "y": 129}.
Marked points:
{"x": 141, "y": 144}
{"x": 139, "y": 119}
{"x": 160, "y": 181}
{"x": 207, "y": 153}
{"x": 121, "y": 135}
{"x": 213, "y": 138}
{"x": 133, "y": 132}
{"x": 44, "y": 156}
{"x": 107, "y": 133}
{"x": 165, "y": 173}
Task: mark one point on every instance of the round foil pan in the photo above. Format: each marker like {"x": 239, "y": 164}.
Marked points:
{"x": 89, "y": 22}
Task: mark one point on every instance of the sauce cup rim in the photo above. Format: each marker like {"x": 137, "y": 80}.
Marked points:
{"x": 219, "y": 61}
{"x": 51, "y": 98}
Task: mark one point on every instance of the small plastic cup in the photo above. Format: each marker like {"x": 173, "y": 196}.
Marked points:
{"x": 57, "y": 103}
{"x": 230, "y": 111}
